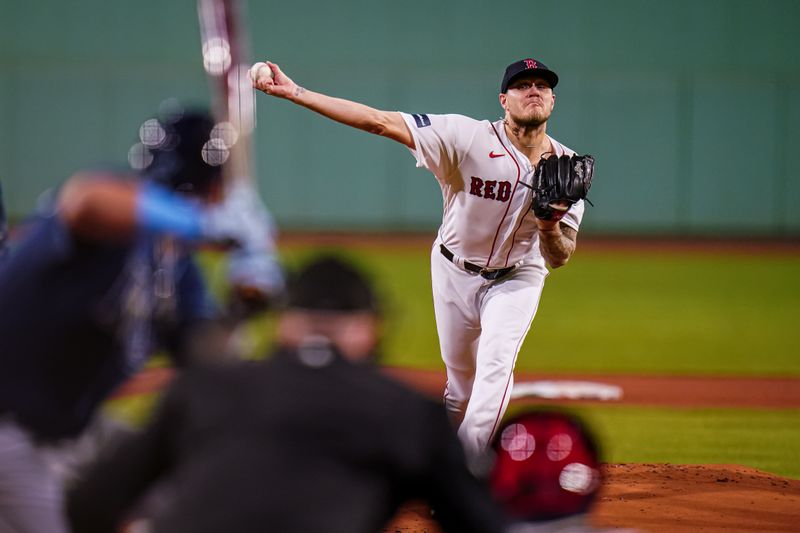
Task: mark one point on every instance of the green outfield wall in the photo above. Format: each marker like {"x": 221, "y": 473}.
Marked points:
{"x": 691, "y": 107}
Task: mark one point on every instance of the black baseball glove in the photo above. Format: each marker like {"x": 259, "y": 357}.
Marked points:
{"x": 559, "y": 182}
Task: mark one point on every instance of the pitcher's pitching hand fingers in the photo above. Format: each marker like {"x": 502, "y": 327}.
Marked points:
{"x": 279, "y": 84}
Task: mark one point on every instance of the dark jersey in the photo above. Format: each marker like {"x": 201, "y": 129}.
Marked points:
{"x": 78, "y": 318}
{"x": 304, "y": 442}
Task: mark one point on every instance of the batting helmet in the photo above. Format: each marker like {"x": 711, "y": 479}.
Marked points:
{"x": 185, "y": 155}
{"x": 546, "y": 466}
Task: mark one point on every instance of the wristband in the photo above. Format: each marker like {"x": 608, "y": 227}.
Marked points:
{"x": 160, "y": 210}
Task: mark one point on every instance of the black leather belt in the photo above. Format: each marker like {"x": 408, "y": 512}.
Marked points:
{"x": 486, "y": 273}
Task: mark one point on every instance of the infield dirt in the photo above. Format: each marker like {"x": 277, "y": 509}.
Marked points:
{"x": 674, "y": 499}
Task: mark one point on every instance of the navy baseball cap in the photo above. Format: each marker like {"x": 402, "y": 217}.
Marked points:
{"x": 528, "y": 66}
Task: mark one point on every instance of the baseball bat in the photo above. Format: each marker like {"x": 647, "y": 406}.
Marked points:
{"x": 226, "y": 61}
{"x": 255, "y": 274}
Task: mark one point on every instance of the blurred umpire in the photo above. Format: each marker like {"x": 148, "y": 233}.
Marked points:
{"x": 312, "y": 439}
{"x": 95, "y": 285}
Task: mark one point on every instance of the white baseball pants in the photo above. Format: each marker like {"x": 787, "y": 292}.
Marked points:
{"x": 481, "y": 326}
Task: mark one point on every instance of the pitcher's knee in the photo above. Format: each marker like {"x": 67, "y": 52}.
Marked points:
{"x": 455, "y": 409}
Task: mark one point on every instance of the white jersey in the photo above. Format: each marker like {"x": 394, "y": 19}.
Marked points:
{"x": 486, "y": 217}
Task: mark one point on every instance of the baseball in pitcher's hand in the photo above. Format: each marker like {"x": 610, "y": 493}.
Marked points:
{"x": 279, "y": 84}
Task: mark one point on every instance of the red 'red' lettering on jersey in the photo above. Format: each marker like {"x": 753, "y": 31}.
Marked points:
{"x": 475, "y": 186}
{"x": 504, "y": 191}
{"x": 490, "y": 189}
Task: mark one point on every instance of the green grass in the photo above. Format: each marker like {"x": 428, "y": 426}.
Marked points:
{"x": 765, "y": 439}
{"x": 671, "y": 313}
{"x": 622, "y": 312}
{"x": 134, "y": 410}
{"x": 402, "y": 279}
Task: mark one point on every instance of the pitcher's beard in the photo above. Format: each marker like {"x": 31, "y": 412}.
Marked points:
{"x": 531, "y": 121}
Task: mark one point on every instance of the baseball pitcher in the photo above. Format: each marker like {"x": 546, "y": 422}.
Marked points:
{"x": 513, "y": 203}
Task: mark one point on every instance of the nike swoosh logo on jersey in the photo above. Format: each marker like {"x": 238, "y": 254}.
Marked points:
{"x": 494, "y": 155}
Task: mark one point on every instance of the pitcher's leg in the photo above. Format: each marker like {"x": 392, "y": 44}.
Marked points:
{"x": 458, "y": 327}
{"x": 506, "y": 315}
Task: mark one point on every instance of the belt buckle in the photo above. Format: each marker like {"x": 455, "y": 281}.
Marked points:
{"x": 495, "y": 273}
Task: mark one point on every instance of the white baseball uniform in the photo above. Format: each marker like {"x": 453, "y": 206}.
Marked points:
{"x": 486, "y": 222}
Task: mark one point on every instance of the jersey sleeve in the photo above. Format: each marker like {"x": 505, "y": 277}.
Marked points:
{"x": 440, "y": 141}
{"x": 574, "y": 215}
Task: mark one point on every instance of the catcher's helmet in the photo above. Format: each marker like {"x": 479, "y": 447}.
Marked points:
{"x": 546, "y": 466}
{"x": 186, "y": 155}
